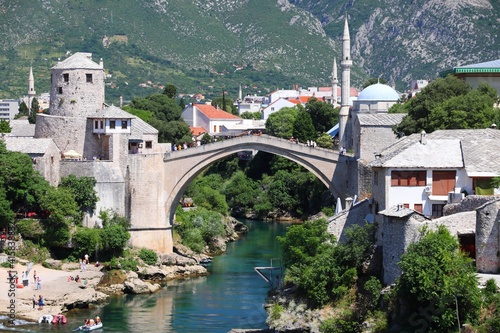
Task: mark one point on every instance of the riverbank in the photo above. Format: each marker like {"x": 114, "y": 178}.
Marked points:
{"x": 60, "y": 293}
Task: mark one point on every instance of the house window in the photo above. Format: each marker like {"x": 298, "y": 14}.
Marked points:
{"x": 149, "y": 144}
{"x": 405, "y": 205}
{"x": 220, "y": 128}
{"x": 112, "y": 124}
{"x": 66, "y": 77}
{"x": 59, "y": 90}
{"x": 408, "y": 178}
{"x": 124, "y": 124}
{"x": 443, "y": 182}
{"x": 96, "y": 124}
{"x": 437, "y": 210}
{"x": 88, "y": 78}
{"x": 418, "y": 207}
{"x": 102, "y": 124}
{"x": 215, "y": 128}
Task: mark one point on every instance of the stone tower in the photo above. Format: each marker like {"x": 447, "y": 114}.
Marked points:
{"x": 335, "y": 82}
{"x": 76, "y": 93}
{"x": 345, "y": 64}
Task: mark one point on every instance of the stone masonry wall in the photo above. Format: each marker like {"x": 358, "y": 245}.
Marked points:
{"x": 470, "y": 202}
{"x": 488, "y": 237}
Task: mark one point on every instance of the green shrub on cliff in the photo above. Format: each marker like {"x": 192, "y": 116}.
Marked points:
{"x": 148, "y": 256}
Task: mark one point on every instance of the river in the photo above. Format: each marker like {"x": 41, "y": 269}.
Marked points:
{"x": 231, "y": 296}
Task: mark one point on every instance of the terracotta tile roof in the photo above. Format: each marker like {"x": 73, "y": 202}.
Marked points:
{"x": 213, "y": 113}
{"x": 198, "y": 130}
{"x": 294, "y": 101}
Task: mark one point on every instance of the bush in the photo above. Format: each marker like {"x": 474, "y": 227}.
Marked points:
{"x": 339, "y": 325}
{"x": 87, "y": 240}
{"x": 276, "y": 312}
{"x": 30, "y": 228}
{"x": 32, "y": 252}
{"x": 373, "y": 288}
{"x": 148, "y": 256}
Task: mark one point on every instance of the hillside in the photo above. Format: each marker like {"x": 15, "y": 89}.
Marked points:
{"x": 212, "y": 46}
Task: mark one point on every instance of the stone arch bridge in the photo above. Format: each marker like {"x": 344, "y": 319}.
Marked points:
{"x": 154, "y": 198}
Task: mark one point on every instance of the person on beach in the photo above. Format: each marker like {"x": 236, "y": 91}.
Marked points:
{"x": 86, "y": 259}
{"x": 41, "y": 302}
{"x": 34, "y": 276}
{"x": 38, "y": 283}
{"x": 34, "y": 301}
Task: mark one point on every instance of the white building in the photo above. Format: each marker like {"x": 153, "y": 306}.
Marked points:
{"x": 211, "y": 119}
{"x": 425, "y": 172}
{"x": 8, "y": 109}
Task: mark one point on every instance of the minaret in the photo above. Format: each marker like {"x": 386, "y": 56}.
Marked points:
{"x": 240, "y": 94}
{"x": 345, "y": 64}
{"x": 31, "y": 89}
{"x": 335, "y": 82}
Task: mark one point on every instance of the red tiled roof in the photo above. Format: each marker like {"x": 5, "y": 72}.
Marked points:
{"x": 213, "y": 113}
{"x": 197, "y": 130}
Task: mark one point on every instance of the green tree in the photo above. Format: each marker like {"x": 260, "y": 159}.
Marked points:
{"x": 325, "y": 141}
{"x": 170, "y": 90}
{"x": 303, "y": 128}
{"x": 226, "y": 104}
{"x": 87, "y": 240}
{"x": 35, "y": 107}
{"x": 165, "y": 117}
{"x": 63, "y": 214}
{"x": 280, "y": 123}
{"x": 23, "y": 111}
{"x": 251, "y": 115}
{"x": 440, "y": 279}
{"x": 423, "y": 104}
{"x": 22, "y": 185}
{"x": 323, "y": 115}
{"x": 199, "y": 227}
{"x": 83, "y": 190}
{"x": 182, "y": 103}
{"x": 4, "y": 126}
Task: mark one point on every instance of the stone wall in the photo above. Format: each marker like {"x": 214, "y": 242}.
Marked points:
{"x": 110, "y": 186}
{"x": 146, "y": 202}
{"x": 488, "y": 237}
{"x": 338, "y": 224}
{"x": 470, "y": 202}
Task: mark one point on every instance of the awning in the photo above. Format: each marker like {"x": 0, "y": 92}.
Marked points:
{"x": 333, "y": 131}
{"x": 135, "y": 140}
{"x": 72, "y": 154}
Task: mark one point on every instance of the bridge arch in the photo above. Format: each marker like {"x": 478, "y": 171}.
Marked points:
{"x": 184, "y": 165}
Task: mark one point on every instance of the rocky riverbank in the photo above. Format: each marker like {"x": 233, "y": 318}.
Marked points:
{"x": 61, "y": 293}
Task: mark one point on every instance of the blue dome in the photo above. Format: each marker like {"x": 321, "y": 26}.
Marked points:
{"x": 378, "y": 92}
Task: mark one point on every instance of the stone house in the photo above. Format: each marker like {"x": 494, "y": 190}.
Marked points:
{"x": 424, "y": 172}
{"x": 45, "y": 155}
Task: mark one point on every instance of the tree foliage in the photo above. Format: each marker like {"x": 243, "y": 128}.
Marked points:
{"x": 83, "y": 190}
{"x": 317, "y": 265}
{"x": 170, "y": 90}
{"x": 449, "y": 103}
{"x": 303, "y": 128}
{"x": 438, "y": 278}
{"x": 225, "y": 103}
{"x": 4, "y": 126}
{"x": 323, "y": 115}
{"x": 280, "y": 123}
{"x": 163, "y": 113}
{"x": 199, "y": 227}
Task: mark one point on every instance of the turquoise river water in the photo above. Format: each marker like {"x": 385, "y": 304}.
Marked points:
{"x": 231, "y": 296}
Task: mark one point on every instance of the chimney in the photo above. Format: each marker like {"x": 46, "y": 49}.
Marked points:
{"x": 121, "y": 101}
{"x": 423, "y": 139}
{"x": 348, "y": 203}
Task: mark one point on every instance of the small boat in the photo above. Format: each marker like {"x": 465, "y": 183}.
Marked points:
{"x": 46, "y": 319}
{"x": 59, "y": 319}
{"x": 89, "y": 328}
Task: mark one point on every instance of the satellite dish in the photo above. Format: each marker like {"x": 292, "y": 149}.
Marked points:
{"x": 370, "y": 218}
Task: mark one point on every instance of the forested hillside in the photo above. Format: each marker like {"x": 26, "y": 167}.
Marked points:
{"x": 213, "y": 46}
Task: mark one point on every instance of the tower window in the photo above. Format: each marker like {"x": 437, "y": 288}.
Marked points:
{"x": 59, "y": 90}
{"x": 112, "y": 124}
{"x": 124, "y": 124}
{"x": 66, "y": 77}
{"x": 89, "y": 78}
